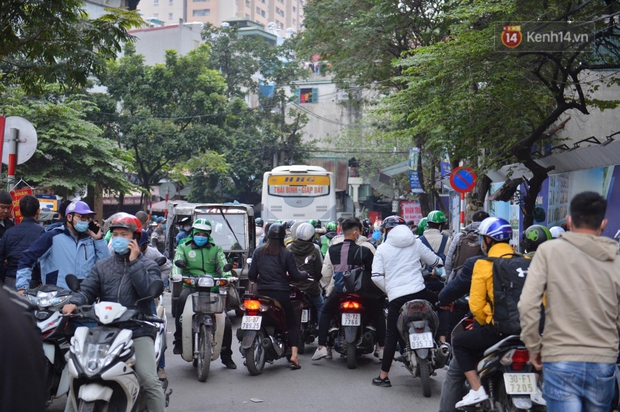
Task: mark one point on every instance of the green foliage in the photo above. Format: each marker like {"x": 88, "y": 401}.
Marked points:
{"x": 54, "y": 41}
{"x": 71, "y": 152}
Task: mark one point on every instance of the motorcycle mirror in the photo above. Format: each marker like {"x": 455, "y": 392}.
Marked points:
{"x": 180, "y": 263}
{"x": 228, "y": 267}
{"x": 309, "y": 259}
{"x": 249, "y": 261}
{"x": 161, "y": 261}
{"x": 156, "y": 288}
{"x": 73, "y": 283}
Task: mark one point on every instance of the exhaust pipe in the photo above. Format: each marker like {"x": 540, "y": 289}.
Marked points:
{"x": 276, "y": 346}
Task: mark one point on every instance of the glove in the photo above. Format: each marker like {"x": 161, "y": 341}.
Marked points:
{"x": 177, "y": 278}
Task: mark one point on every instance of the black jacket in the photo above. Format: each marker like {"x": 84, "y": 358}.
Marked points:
{"x": 8, "y": 223}
{"x": 116, "y": 279}
{"x": 269, "y": 272}
{"x": 13, "y": 243}
{"x": 302, "y": 249}
{"x": 460, "y": 285}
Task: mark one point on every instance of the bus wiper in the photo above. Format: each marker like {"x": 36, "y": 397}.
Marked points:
{"x": 229, "y": 227}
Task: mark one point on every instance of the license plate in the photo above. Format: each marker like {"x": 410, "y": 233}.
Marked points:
{"x": 251, "y": 322}
{"x": 421, "y": 340}
{"x": 351, "y": 319}
{"x": 304, "y": 316}
{"x": 520, "y": 383}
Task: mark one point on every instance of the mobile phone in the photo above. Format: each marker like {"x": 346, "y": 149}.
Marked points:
{"x": 93, "y": 227}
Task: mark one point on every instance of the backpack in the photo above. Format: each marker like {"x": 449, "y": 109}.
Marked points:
{"x": 466, "y": 247}
{"x": 508, "y": 279}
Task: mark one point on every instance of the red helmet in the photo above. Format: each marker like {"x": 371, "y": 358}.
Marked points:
{"x": 126, "y": 221}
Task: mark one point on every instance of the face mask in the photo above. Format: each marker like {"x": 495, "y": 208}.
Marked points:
{"x": 482, "y": 245}
{"x": 80, "y": 226}
{"x": 163, "y": 227}
{"x": 200, "y": 240}
{"x": 186, "y": 228}
{"x": 119, "y": 244}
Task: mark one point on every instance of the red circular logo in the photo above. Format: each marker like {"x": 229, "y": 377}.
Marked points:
{"x": 511, "y": 36}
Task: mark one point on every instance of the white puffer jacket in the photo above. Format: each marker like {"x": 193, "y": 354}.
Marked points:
{"x": 396, "y": 267}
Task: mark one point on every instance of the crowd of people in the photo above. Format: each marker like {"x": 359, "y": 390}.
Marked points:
{"x": 576, "y": 347}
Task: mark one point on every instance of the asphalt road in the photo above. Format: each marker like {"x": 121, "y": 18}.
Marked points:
{"x": 325, "y": 385}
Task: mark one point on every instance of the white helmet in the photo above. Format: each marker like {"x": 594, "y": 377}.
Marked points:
{"x": 305, "y": 231}
{"x": 556, "y": 231}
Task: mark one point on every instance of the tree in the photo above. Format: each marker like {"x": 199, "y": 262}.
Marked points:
{"x": 56, "y": 42}
{"x": 71, "y": 152}
{"x": 164, "y": 114}
{"x": 492, "y": 108}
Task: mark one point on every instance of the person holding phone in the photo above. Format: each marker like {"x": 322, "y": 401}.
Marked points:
{"x": 72, "y": 248}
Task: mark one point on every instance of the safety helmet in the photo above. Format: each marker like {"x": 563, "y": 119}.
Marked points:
{"x": 185, "y": 221}
{"x": 556, "y": 231}
{"x": 144, "y": 238}
{"x": 391, "y": 222}
{"x": 77, "y": 206}
{"x": 534, "y": 235}
{"x": 436, "y": 216}
{"x": 422, "y": 226}
{"x": 305, "y": 231}
{"x": 290, "y": 223}
{"x": 496, "y": 228}
{"x": 367, "y": 227}
{"x": 126, "y": 221}
{"x": 277, "y": 231}
{"x": 259, "y": 221}
{"x": 201, "y": 225}
{"x": 331, "y": 226}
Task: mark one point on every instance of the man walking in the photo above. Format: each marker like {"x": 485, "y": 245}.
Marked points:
{"x": 580, "y": 275}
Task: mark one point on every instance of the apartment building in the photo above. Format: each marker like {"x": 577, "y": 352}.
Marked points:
{"x": 279, "y": 14}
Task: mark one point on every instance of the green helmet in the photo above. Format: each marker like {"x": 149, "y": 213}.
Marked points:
{"x": 312, "y": 222}
{"x": 331, "y": 226}
{"x": 534, "y": 236}
{"x": 201, "y": 225}
{"x": 436, "y": 216}
{"x": 422, "y": 226}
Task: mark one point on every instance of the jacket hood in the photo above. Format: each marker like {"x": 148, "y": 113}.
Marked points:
{"x": 401, "y": 236}
{"x": 302, "y": 247}
{"x": 598, "y": 247}
{"x": 331, "y": 235}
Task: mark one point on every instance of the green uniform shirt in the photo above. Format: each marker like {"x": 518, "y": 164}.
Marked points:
{"x": 208, "y": 259}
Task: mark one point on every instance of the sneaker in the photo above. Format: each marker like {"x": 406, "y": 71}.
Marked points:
{"x": 229, "y": 363}
{"x": 329, "y": 353}
{"x": 161, "y": 374}
{"x": 385, "y": 382}
{"x": 537, "y": 398}
{"x": 320, "y": 354}
{"x": 379, "y": 353}
{"x": 473, "y": 398}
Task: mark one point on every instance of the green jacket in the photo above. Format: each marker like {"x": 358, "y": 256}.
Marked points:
{"x": 208, "y": 259}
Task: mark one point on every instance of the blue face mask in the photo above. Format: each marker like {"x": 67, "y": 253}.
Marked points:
{"x": 201, "y": 240}
{"x": 80, "y": 226}
{"x": 119, "y": 244}
{"x": 163, "y": 227}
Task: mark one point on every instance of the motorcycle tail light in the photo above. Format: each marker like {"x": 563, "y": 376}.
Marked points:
{"x": 518, "y": 358}
{"x": 253, "y": 305}
{"x": 350, "y": 304}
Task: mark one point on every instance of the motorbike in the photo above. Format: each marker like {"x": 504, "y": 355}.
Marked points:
{"x": 506, "y": 374}
{"x": 309, "y": 323}
{"x": 423, "y": 354}
{"x": 101, "y": 358}
{"x": 353, "y": 333}
{"x": 203, "y": 319}
{"x": 55, "y": 333}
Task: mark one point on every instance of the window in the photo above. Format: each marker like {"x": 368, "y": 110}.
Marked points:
{"x": 170, "y": 2}
{"x": 201, "y": 12}
{"x": 279, "y": 11}
{"x": 170, "y": 16}
{"x": 279, "y": 24}
{"x": 294, "y": 22}
{"x": 155, "y": 2}
{"x": 156, "y": 15}
{"x": 262, "y": 13}
{"x": 309, "y": 95}
{"x": 248, "y": 4}
{"x": 247, "y": 16}
{"x": 294, "y": 9}
{"x": 197, "y": 1}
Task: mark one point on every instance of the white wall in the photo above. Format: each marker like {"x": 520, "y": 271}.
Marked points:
{"x": 153, "y": 42}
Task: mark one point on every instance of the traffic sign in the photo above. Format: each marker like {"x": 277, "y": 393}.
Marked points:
{"x": 167, "y": 190}
{"x": 463, "y": 179}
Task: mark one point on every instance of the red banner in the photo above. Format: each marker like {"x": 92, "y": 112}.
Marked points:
{"x": 17, "y": 195}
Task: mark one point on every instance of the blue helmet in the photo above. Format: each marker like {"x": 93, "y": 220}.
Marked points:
{"x": 496, "y": 228}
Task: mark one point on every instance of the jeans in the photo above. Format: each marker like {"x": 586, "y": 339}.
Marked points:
{"x": 147, "y": 375}
{"x": 578, "y": 386}
{"x": 453, "y": 387}
{"x": 318, "y": 302}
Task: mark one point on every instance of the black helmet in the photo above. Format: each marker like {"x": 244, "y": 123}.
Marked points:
{"x": 534, "y": 236}
{"x": 290, "y": 223}
{"x": 391, "y": 222}
{"x": 259, "y": 221}
{"x": 185, "y": 221}
{"x": 276, "y": 231}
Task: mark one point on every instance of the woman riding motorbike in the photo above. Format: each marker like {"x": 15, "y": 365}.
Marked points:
{"x": 270, "y": 264}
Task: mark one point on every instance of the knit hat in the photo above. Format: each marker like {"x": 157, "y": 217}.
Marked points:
{"x": 5, "y": 198}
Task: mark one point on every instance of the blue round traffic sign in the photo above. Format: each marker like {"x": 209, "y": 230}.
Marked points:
{"x": 463, "y": 179}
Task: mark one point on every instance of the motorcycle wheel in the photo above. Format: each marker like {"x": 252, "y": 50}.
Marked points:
{"x": 301, "y": 347}
{"x": 84, "y": 406}
{"x": 503, "y": 402}
{"x": 204, "y": 354}
{"x": 351, "y": 355}
{"x": 255, "y": 355}
{"x": 425, "y": 376}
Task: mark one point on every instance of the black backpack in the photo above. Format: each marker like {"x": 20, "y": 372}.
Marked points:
{"x": 509, "y": 276}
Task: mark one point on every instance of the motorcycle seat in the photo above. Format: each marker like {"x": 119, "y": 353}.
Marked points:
{"x": 274, "y": 302}
{"x": 510, "y": 340}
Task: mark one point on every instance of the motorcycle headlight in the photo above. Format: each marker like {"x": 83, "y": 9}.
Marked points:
{"x": 96, "y": 356}
{"x": 206, "y": 282}
{"x": 47, "y": 299}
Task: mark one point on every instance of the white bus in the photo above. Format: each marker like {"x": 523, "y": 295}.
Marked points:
{"x": 299, "y": 192}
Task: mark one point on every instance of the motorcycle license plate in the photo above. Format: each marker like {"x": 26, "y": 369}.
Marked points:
{"x": 520, "y": 383}
{"x": 304, "y": 316}
{"x": 351, "y": 319}
{"x": 251, "y": 322}
{"x": 421, "y": 340}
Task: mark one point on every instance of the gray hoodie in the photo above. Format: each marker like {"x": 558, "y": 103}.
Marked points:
{"x": 580, "y": 275}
